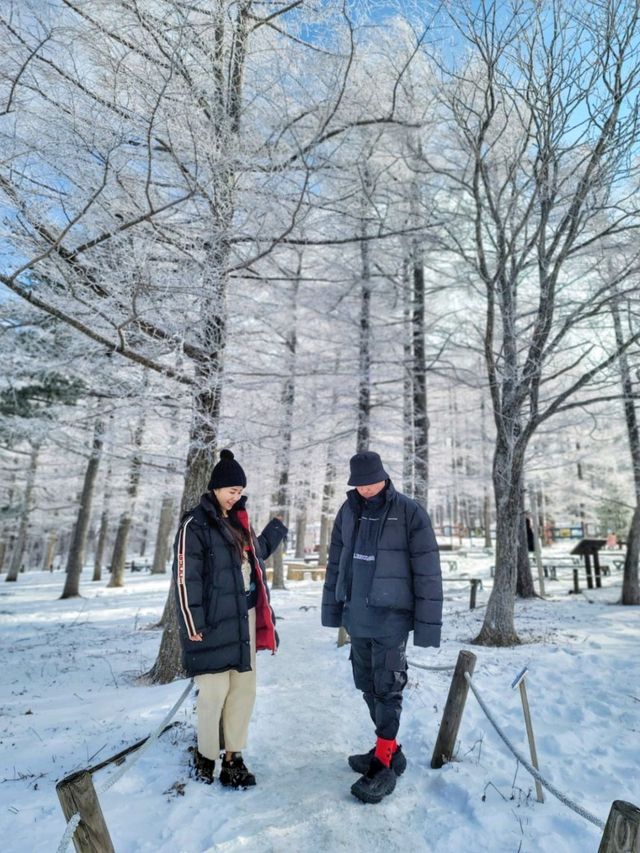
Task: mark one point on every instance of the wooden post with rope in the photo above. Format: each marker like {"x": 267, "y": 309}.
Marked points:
{"x": 77, "y": 794}
{"x": 453, "y": 710}
{"x": 622, "y": 831}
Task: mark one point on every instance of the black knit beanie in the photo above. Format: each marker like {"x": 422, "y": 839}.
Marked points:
{"x": 227, "y": 473}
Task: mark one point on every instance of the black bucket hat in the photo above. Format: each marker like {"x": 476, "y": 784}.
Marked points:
{"x": 366, "y": 468}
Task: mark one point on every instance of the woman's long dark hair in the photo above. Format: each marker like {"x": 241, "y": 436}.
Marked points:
{"x": 239, "y": 534}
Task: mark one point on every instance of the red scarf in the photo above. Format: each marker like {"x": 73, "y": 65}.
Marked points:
{"x": 265, "y": 628}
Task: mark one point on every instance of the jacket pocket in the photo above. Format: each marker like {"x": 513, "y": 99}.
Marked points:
{"x": 393, "y": 677}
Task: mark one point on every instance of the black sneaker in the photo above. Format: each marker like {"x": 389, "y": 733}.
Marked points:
{"x": 360, "y": 763}
{"x": 377, "y": 783}
{"x": 203, "y": 768}
{"x": 234, "y": 773}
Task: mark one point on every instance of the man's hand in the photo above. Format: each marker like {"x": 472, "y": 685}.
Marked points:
{"x": 196, "y": 637}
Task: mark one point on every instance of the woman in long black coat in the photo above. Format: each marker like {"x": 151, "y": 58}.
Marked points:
{"x": 224, "y": 616}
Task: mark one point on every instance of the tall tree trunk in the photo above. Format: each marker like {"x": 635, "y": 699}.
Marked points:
{"x": 328, "y": 492}
{"x": 119, "y": 555}
{"x": 630, "y": 590}
{"x": 486, "y": 499}
{"x": 364, "y": 341}
{"x": 104, "y": 526}
{"x": 50, "y": 552}
{"x": 280, "y": 499}
{"x": 11, "y": 544}
{"x": 455, "y": 448}
{"x": 75, "y": 559}
{"x": 167, "y": 510}
{"x": 23, "y": 525}
{"x": 145, "y": 533}
{"x": 408, "y": 448}
{"x": 301, "y": 530}
{"x": 206, "y": 412}
{"x": 329, "y": 487}
{"x": 101, "y": 545}
{"x": 498, "y": 628}
{"x": 8, "y": 531}
{"x": 364, "y": 362}
{"x": 165, "y": 525}
{"x": 486, "y": 513}
{"x": 630, "y": 585}
{"x": 419, "y": 382}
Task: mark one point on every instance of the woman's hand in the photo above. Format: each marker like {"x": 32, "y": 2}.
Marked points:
{"x": 196, "y": 637}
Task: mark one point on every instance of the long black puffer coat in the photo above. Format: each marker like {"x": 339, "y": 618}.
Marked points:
{"x": 406, "y": 575}
{"x": 210, "y": 591}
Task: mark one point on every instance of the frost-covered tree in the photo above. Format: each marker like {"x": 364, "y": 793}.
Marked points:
{"x": 536, "y": 164}
{"x": 625, "y": 321}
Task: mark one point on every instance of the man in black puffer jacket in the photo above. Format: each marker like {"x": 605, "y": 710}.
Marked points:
{"x": 382, "y": 581}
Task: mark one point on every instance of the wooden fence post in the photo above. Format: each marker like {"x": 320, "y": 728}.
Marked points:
{"x": 77, "y": 794}
{"x": 453, "y": 710}
{"x": 622, "y": 832}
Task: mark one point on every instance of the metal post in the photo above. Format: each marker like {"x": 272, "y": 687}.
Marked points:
{"x": 519, "y": 681}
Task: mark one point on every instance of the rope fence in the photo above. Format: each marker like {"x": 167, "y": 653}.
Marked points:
{"x": 622, "y": 829}
{"x": 567, "y": 801}
{"x": 74, "y": 820}
{"x": 446, "y": 668}
{"x": 81, "y": 806}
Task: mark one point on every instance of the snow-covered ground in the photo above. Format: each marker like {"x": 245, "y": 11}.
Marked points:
{"x": 70, "y": 698}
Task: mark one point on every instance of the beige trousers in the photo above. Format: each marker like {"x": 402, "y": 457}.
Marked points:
{"x": 227, "y": 698}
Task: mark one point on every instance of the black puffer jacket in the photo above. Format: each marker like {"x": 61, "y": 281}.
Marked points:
{"x": 407, "y": 566}
{"x": 210, "y": 591}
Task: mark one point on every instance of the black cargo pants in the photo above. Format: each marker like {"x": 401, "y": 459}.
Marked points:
{"x": 380, "y": 671}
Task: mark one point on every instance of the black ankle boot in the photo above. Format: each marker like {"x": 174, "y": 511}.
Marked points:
{"x": 378, "y": 782}
{"x": 203, "y": 767}
{"x": 234, "y": 773}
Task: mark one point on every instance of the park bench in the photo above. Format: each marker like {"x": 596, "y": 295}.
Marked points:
{"x": 137, "y": 565}
{"x": 551, "y": 566}
{"x": 475, "y": 552}
{"x": 474, "y": 585}
{"x": 299, "y": 571}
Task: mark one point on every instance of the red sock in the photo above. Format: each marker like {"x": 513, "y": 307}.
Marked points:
{"x": 385, "y": 750}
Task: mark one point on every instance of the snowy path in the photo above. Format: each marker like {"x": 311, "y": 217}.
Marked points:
{"x": 69, "y": 691}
